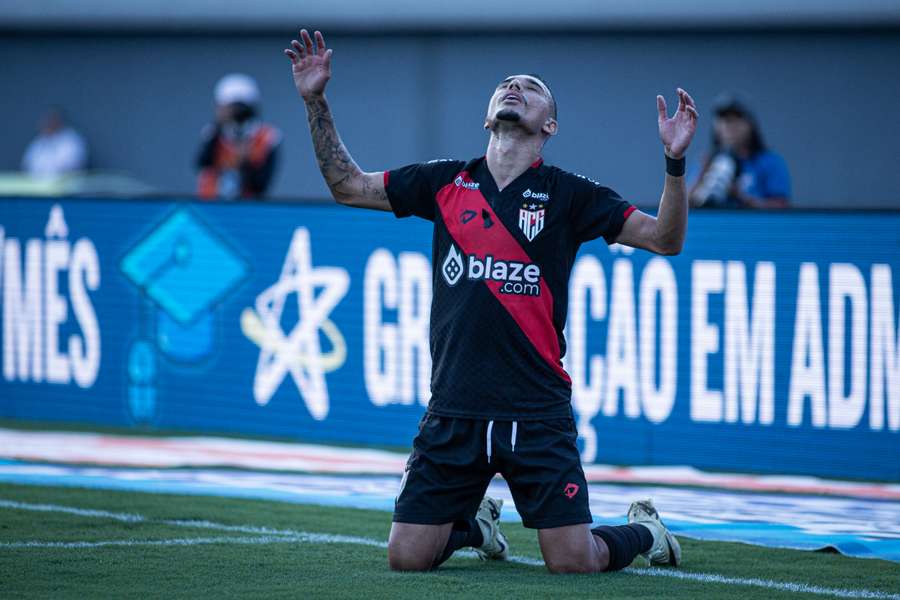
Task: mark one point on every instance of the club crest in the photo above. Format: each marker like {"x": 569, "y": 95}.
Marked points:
{"x": 531, "y": 219}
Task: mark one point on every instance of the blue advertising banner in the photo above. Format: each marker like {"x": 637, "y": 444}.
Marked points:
{"x": 771, "y": 344}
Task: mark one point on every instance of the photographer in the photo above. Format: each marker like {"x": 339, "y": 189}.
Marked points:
{"x": 739, "y": 170}
{"x": 238, "y": 152}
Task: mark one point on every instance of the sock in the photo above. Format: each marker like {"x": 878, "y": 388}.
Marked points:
{"x": 464, "y": 533}
{"x": 624, "y": 542}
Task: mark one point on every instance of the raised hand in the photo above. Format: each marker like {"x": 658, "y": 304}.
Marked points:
{"x": 677, "y": 132}
{"x": 311, "y": 65}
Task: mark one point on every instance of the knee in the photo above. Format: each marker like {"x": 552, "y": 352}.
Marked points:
{"x": 573, "y": 565}
{"x": 401, "y": 559}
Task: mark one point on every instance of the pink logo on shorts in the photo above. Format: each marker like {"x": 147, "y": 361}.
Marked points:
{"x": 570, "y": 490}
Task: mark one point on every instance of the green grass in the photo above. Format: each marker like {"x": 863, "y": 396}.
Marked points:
{"x": 308, "y": 570}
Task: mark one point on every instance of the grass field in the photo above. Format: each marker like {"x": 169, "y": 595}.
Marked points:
{"x": 53, "y": 543}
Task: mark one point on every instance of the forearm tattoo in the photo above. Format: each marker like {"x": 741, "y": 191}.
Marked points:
{"x": 342, "y": 175}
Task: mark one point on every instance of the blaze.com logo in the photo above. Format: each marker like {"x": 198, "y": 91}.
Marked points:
{"x": 523, "y": 279}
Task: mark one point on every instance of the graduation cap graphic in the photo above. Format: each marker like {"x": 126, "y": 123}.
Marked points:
{"x": 183, "y": 270}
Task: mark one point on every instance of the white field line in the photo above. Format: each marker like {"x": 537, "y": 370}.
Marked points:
{"x": 301, "y": 536}
{"x": 804, "y": 588}
{"x": 83, "y": 512}
{"x": 278, "y": 539}
{"x": 267, "y": 535}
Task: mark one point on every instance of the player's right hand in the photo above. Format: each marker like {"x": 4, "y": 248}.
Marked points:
{"x": 311, "y": 65}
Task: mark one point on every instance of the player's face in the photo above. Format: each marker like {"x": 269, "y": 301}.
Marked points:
{"x": 521, "y": 99}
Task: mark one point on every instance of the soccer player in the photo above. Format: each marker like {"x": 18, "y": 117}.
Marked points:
{"x": 506, "y": 231}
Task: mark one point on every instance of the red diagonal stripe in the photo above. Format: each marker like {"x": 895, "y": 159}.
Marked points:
{"x": 534, "y": 315}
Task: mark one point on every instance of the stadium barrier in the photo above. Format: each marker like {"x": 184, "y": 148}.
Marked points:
{"x": 771, "y": 344}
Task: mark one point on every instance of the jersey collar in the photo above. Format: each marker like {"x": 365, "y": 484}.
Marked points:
{"x": 478, "y": 171}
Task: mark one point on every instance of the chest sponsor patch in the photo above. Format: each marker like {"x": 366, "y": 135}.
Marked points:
{"x": 531, "y": 219}
{"x": 514, "y": 277}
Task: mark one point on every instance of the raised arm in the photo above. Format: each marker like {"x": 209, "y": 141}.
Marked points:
{"x": 350, "y": 185}
{"x": 664, "y": 234}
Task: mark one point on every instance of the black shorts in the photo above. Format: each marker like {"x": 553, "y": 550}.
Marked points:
{"x": 454, "y": 459}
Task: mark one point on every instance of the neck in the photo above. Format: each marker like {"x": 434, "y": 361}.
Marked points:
{"x": 510, "y": 152}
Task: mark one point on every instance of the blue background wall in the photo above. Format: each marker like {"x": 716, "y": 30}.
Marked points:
{"x": 198, "y": 373}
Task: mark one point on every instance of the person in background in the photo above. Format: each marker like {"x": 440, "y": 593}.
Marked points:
{"x": 740, "y": 171}
{"x": 238, "y": 152}
{"x": 57, "y": 150}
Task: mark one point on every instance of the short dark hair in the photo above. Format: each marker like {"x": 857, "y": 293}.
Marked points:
{"x": 553, "y": 109}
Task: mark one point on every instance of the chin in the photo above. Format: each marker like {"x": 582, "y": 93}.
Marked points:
{"x": 508, "y": 114}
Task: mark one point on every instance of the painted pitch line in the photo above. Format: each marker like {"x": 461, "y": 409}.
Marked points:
{"x": 83, "y": 512}
{"x": 278, "y": 539}
{"x": 302, "y": 536}
{"x": 272, "y": 536}
{"x": 781, "y": 586}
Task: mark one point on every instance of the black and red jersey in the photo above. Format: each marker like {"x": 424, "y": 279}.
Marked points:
{"x": 501, "y": 264}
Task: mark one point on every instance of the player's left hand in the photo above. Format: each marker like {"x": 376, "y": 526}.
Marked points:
{"x": 677, "y": 132}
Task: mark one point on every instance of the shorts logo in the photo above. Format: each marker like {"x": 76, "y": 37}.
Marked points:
{"x": 522, "y": 279}
{"x": 570, "y": 490}
{"x": 531, "y": 219}
{"x": 452, "y": 269}
{"x": 469, "y": 185}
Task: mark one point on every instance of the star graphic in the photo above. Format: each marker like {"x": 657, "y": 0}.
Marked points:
{"x": 533, "y": 206}
{"x": 299, "y": 352}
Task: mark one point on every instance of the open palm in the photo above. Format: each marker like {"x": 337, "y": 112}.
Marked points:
{"x": 310, "y": 64}
{"x": 677, "y": 132}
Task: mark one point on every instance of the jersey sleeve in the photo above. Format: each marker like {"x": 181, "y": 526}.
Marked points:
{"x": 411, "y": 189}
{"x": 597, "y": 211}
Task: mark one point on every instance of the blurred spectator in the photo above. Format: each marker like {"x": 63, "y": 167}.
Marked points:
{"x": 739, "y": 170}
{"x": 56, "y": 150}
{"x": 238, "y": 152}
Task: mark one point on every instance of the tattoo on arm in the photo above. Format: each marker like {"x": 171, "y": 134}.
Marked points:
{"x": 344, "y": 177}
{"x": 375, "y": 193}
